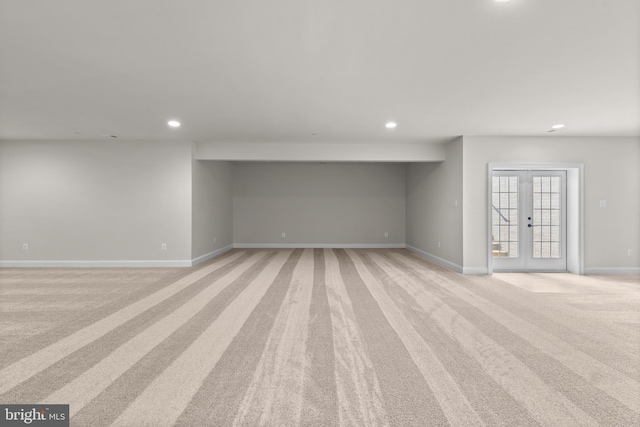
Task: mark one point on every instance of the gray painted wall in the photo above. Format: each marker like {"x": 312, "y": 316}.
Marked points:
{"x": 611, "y": 172}
{"x": 119, "y": 200}
{"x": 314, "y": 203}
{"x": 95, "y": 200}
{"x": 212, "y": 207}
{"x": 434, "y": 206}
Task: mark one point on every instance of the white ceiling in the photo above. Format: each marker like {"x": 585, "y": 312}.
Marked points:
{"x": 320, "y": 71}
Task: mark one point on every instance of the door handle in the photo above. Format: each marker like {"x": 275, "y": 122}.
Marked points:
{"x": 529, "y": 225}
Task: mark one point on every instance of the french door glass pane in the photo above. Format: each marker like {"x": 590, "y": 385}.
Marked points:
{"x": 546, "y": 216}
{"x": 504, "y": 216}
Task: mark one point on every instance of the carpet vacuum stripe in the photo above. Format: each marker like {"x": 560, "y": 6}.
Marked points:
{"x": 321, "y": 337}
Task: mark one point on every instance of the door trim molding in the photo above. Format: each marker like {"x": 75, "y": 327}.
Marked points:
{"x": 575, "y": 208}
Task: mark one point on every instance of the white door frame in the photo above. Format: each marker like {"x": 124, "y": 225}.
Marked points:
{"x": 575, "y": 209}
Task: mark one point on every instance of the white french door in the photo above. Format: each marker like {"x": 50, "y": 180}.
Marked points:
{"x": 529, "y": 220}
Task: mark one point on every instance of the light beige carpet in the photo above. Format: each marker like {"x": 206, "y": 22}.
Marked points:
{"x": 321, "y": 337}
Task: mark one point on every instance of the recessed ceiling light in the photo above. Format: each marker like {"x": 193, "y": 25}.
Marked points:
{"x": 559, "y": 126}
{"x": 174, "y": 123}
{"x": 391, "y": 125}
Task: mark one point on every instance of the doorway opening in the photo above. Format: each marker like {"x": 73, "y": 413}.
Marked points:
{"x": 535, "y": 218}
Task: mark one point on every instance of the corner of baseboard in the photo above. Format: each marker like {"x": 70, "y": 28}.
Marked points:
{"x": 207, "y": 256}
{"x": 441, "y": 261}
{"x": 475, "y": 270}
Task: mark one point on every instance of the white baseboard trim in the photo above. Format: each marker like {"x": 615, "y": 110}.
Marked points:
{"x": 443, "y": 262}
{"x": 96, "y": 264}
{"x": 207, "y": 256}
{"x": 475, "y": 270}
{"x": 612, "y": 270}
{"x": 318, "y": 246}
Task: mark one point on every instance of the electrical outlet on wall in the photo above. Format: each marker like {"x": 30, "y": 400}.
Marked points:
{"x": 629, "y": 252}
{"x": 284, "y": 235}
{"x": 438, "y": 244}
{"x": 386, "y": 234}
{"x": 163, "y": 247}
{"x": 25, "y": 246}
